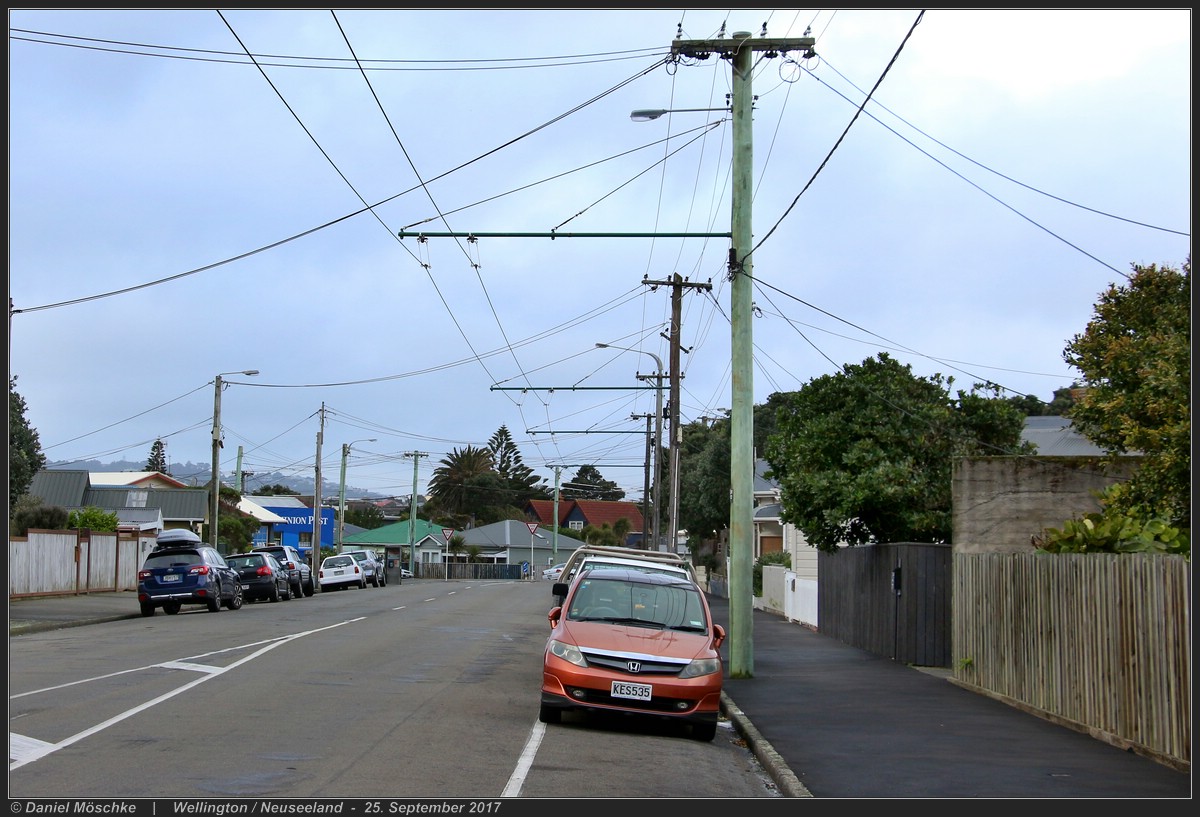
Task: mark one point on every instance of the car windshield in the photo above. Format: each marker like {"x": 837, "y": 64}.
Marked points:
{"x": 244, "y": 561}
{"x": 673, "y": 606}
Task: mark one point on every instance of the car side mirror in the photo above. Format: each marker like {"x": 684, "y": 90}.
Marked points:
{"x": 558, "y": 589}
{"x": 718, "y": 636}
{"x": 554, "y": 616}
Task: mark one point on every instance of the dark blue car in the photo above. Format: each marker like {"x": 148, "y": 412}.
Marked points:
{"x": 177, "y": 574}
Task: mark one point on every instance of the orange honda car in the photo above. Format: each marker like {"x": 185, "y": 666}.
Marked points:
{"x": 637, "y": 643}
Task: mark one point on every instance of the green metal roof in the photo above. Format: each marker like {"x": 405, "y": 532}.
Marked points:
{"x": 394, "y": 534}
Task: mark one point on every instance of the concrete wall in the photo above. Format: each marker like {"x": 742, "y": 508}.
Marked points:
{"x": 1001, "y": 502}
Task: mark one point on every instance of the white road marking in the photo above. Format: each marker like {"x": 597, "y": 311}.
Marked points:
{"x": 525, "y": 761}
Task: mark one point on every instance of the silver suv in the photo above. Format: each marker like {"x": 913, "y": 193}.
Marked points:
{"x": 299, "y": 573}
{"x": 372, "y": 568}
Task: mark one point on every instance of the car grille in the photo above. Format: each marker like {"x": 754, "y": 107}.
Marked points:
{"x": 647, "y": 665}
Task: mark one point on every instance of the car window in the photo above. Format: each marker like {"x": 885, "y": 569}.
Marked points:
{"x": 676, "y": 606}
{"x": 339, "y": 561}
{"x": 244, "y": 561}
{"x": 172, "y": 560}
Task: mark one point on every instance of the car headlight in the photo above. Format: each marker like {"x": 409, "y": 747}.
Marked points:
{"x": 702, "y": 666}
{"x": 567, "y": 652}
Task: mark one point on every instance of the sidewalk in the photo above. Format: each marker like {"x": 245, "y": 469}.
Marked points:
{"x": 852, "y": 724}
{"x": 828, "y": 720}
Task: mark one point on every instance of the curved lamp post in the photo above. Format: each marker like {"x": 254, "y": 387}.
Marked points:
{"x": 342, "y": 491}
{"x": 215, "y": 499}
{"x": 657, "y": 436}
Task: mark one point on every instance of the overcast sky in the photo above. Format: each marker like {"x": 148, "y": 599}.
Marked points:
{"x": 179, "y": 209}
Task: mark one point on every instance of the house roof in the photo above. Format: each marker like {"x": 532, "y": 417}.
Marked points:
{"x": 280, "y": 501}
{"x": 147, "y": 479}
{"x": 510, "y": 532}
{"x": 762, "y": 485}
{"x": 396, "y": 534}
{"x": 1055, "y": 437}
{"x": 69, "y": 488}
{"x": 252, "y": 508}
{"x": 543, "y": 509}
{"x": 597, "y": 512}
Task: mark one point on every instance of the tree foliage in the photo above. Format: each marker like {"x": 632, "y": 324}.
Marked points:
{"x": 30, "y": 512}
{"x": 365, "y": 516}
{"x": 1135, "y": 356}
{"x": 589, "y": 483}
{"x": 866, "y": 455}
{"x": 1110, "y": 531}
{"x": 25, "y": 457}
{"x": 519, "y": 479}
{"x": 157, "y": 461}
{"x": 93, "y": 518}
{"x": 277, "y": 489}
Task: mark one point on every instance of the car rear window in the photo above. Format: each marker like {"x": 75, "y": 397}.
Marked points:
{"x": 172, "y": 560}
{"x": 245, "y": 561}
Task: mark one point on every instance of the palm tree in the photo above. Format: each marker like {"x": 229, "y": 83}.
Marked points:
{"x": 450, "y": 485}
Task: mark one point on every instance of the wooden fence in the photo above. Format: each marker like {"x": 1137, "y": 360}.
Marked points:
{"x": 891, "y": 600}
{"x": 1098, "y": 642}
{"x": 71, "y": 562}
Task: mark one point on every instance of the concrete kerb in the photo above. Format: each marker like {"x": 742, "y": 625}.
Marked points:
{"x": 789, "y": 785}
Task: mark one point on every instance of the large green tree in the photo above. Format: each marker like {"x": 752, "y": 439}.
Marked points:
{"x": 25, "y": 457}
{"x": 519, "y": 479}
{"x": 865, "y": 455}
{"x": 589, "y": 483}
{"x": 456, "y": 482}
{"x": 1135, "y": 356}
{"x": 157, "y": 461}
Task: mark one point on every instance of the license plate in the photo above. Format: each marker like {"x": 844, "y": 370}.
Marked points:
{"x": 245, "y": 587}
{"x": 638, "y": 692}
{"x": 338, "y": 572}
{"x": 171, "y": 577}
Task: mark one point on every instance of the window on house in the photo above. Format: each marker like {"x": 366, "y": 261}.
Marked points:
{"x": 574, "y": 525}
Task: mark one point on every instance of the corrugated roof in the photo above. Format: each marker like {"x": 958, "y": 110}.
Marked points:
{"x": 281, "y": 501}
{"x": 260, "y": 513}
{"x": 62, "y": 487}
{"x": 395, "y": 534}
{"x": 69, "y": 488}
{"x": 1055, "y": 437}
{"x": 149, "y": 479}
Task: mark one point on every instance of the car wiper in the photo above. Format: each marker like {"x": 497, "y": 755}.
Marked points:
{"x": 688, "y": 628}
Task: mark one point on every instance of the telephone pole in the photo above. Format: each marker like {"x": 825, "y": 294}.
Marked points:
{"x": 412, "y": 514}
{"x": 316, "y": 529}
{"x": 739, "y": 50}
{"x": 677, "y": 283}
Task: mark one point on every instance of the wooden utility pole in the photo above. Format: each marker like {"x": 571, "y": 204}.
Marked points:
{"x": 739, "y": 49}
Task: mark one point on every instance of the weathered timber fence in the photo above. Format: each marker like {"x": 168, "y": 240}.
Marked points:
{"x": 1098, "y": 642}
{"x": 69, "y": 562}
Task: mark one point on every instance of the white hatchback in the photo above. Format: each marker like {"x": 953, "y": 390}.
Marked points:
{"x": 552, "y": 573}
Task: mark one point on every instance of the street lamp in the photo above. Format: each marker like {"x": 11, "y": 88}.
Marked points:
{"x": 650, "y": 114}
{"x": 657, "y": 436}
{"x": 342, "y": 491}
{"x": 216, "y": 455}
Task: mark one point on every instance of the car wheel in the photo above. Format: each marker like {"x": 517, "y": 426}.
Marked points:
{"x": 172, "y": 608}
{"x": 235, "y": 603}
{"x": 273, "y": 596}
{"x": 383, "y": 580}
{"x": 214, "y": 600}
{"x": 288, "y": 594}
{"x": 549, "y": 714}
{"x": 704, "y": 731}
{"x": 147, "y": 610}
{"x": 375, "y": 581}
{"x": 310, "y": 588}
{"x": 362, "y": 585}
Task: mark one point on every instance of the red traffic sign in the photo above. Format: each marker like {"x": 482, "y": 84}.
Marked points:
{"x": 447, "y": 533}
{"x": 533, "y": 526}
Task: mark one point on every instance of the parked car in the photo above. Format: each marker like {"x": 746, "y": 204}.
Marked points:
{"x": 405, "y": 573}
{"x": 636, "y": 643}
{"x": 371, "y": 566}
{"x": 262, "y": 577}
{"x": 339, "y": 572}
{"x": 299, "y": 570}
{"x": 177, "y": 574}
{"x": 552, "y": 573}
{"x": 591, "y": 557}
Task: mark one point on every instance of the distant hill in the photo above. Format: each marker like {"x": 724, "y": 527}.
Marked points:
{"x": 198, "y": 475}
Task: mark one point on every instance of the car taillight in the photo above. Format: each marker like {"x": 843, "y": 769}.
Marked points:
{"x": 291, "y": 565}
{"x": 320, "y": 574}
{"x": 263, "y": 571}
{"x": 144, "y": 574}
{"x": 356, "y": 568}
{"x": 199, "y": 570}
